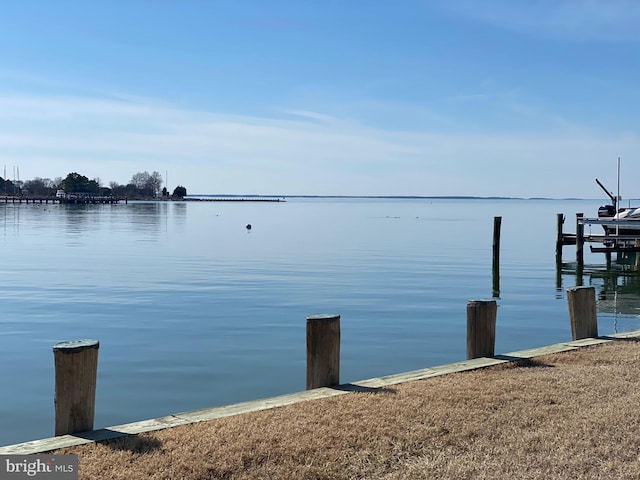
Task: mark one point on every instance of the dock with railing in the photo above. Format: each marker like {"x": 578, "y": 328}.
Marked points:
{"x": 609, "y": 242}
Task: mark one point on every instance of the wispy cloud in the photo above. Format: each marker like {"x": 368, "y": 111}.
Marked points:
{"x": 112, "y": 139}
{"x": 320, "y": 117}
{"x": 489, "y": 91}
{"x": 600, "y": 20}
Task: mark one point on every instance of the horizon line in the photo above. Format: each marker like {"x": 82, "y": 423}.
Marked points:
{"x": 433, "y": 197}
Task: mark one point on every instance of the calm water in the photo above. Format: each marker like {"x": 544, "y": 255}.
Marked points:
{"x": 192, "y": 310}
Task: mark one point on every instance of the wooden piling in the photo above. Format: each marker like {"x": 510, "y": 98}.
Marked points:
{"x": 579, "y": 240}
{"x": 481, "y": 328}
{"x": 497, "y": 222}
{"x": 582, "y": 312}
{"x": 559, "y": 238}
{"x": 495, "y": 270}
{"x": 76, "y": 365}
{"x": 323, "y": 350}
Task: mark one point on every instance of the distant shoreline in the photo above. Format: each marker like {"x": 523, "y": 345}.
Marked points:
{"x": 220, "y": 198}
{"x": 388, "y": 197}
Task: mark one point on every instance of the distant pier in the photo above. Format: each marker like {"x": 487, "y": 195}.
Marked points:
{"x": 71, "y": 199}
{"x": 233, "y": 199}
{"x": 90, "y": 199}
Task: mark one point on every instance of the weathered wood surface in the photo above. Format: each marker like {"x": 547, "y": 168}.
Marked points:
{"x": 481, "y": 328}
{"x": 323, "y": 350}
{"x": 579, "y": 240}
{"x": 559, "y": 237}
{"x": 76, "y": 364}
{"x": 629, "y": 334}
{"x": 582, "y": 312}
{"x": 381, "y": 382}
{"x": 497, "y": 222}
{"x": 495, "y": 268}
{"x": 53, "y": 443}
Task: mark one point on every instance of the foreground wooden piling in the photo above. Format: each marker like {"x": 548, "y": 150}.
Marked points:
{"x": 481, "y": 328}
{"x": 76, "y": 365}
{"x": 323, "y": 351}
{"x": 582, "y": 312}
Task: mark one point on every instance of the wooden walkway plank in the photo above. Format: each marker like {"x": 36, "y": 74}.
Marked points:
{"x": 258, "y": 405}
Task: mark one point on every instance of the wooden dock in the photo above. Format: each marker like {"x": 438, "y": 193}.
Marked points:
{"x": 16, "y": 199}
{"x": 608, "y": 243}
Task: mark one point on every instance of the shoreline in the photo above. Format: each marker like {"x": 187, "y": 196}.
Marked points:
{"x": 203, "y": 415}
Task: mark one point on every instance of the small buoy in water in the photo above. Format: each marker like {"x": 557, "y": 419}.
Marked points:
{"x": 248, "y": 226}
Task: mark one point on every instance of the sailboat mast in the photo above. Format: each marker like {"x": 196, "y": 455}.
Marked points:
{"x": 618, "y": 181}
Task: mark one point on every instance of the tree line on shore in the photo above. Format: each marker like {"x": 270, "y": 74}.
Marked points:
{"x": 142, "y": 185}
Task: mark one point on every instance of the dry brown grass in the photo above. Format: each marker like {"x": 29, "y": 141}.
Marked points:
{"x": 564, "y": 416}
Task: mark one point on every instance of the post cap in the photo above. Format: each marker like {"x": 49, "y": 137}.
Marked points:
{"x": 75, "y": 346}
{"x": 323, "y": 316}
{"x": 586, "y": 287}
{"x": 480, "y": 302}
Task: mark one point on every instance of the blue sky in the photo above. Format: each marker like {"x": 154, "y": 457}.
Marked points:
{"x": 456, "y": 97}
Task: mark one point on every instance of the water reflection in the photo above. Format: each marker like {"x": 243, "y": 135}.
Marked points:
{"x": 179, "y": 214}
{"x": 142, "y": 217}
{"x": 495, "y": 281}
{"x": 145, "y": 216}
{"x": 76, "y": 217}
{"x": 617, "y": 287}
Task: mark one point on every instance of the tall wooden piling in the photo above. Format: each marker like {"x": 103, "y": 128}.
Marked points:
{"x": 497, "y": 222}
{"x": 582, "y": 312}
{"x": 495, "y": 270}
{"x": 559, "y": 238}
{"x": 481, "y": 328}
{"x": 323, "y": 350}
{"x": 76, "y": 365}
{"x": 579, "y": 240}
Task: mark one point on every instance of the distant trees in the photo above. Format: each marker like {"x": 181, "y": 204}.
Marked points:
{"x": 39, "y": 186}
{"x": 180, "y": 191}
{"x": 7, "y": 187}
{"x": 129, "y": 190}
{"x": 76, "y": 183}
{"x": 142, "y": 185}
{"x": 146, "y": 182}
